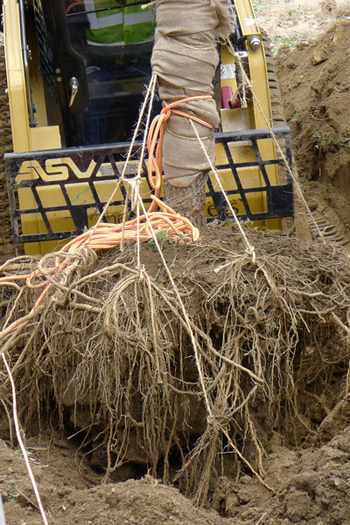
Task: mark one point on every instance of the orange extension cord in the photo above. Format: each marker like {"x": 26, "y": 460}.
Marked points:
{"x": 106, "y": 236}
{"x": 155, "y": 140}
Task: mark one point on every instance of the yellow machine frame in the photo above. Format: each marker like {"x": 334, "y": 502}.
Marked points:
{"x": 256, "y": 115}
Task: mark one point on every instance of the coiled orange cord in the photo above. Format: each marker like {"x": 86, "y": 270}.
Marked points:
{"x": 106, "y": 236}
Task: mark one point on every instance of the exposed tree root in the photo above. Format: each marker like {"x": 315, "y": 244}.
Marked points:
{"x": 112, "y": 354}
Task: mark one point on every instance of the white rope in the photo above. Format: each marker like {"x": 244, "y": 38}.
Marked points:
{"x": 135, "y": 182}
{"x": 150, "y": 89}
{"x": 280, "y": 151}
{"x": 146, "y": 6}
{"x": 250, "y": 248}
{"x": 144, "y": 145}
{"x": 20, "y": 440}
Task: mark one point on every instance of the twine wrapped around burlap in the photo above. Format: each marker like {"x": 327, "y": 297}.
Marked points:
{"x": 185, "y": 58}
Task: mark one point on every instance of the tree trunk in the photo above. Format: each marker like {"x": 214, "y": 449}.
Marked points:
{"x": 185, "y": 59}
{"x": 188, "y": 201}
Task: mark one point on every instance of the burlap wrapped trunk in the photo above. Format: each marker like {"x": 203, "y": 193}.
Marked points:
{"x": 185, "y": 58}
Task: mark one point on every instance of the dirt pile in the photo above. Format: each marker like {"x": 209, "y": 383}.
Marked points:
{"x": 314, "y": 81}
{"x": 284, "y": 319}
{"x": 68, "y": 498}
{"x": 312, "y": 483}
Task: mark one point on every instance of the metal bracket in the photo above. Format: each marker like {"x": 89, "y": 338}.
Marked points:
{"x": 83, "y": 171}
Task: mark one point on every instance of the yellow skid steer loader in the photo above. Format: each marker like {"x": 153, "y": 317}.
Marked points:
{"x": 73, "y": 104}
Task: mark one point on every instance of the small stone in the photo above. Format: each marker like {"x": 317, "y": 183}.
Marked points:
{"x": 319, "y": 56}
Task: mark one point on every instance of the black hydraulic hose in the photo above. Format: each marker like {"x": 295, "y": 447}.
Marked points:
{"x": 122, "y": 5}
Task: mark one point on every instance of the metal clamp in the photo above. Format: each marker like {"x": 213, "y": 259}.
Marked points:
{"x": 74, "y": 85}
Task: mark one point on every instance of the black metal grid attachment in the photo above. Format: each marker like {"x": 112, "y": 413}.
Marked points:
{"x": 46, "y": 58}
{"x": 34, "y": 171}
{"x": 279, "y": 197}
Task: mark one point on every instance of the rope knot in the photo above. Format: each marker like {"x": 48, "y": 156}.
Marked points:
{"x": 142, "y": 272}
{"x": 251, "y": 251}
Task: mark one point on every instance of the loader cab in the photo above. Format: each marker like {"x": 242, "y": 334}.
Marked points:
{"x": 95, "y": 86}
{"x": 74, "y": 101}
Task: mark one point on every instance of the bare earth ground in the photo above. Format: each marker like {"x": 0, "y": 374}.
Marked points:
{"x": 312, "y": 482}
{"x": 289, "y": 22}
